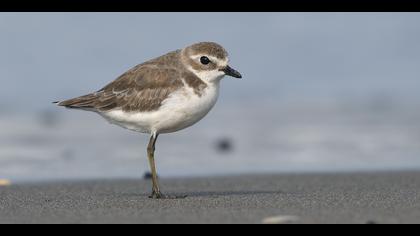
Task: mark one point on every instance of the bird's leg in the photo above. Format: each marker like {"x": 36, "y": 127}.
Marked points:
{"x": 151, "y": 156}
{"x": 156, "y": 194}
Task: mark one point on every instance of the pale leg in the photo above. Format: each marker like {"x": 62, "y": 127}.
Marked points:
{"x": 156, "y": 194}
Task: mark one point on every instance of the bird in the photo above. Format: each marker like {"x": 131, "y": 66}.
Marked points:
{"x": 162, "y": 95}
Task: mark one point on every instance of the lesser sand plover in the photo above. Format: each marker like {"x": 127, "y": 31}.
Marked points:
{"x": 163, "y": 95}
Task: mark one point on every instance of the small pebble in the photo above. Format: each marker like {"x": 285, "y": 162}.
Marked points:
{"x": 280, "y": 219}
{"x": 224, "y": 145}
{"x": 5, "y": 182}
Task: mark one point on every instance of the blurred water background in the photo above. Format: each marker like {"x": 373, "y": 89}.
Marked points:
{"x": 321, "y": 92}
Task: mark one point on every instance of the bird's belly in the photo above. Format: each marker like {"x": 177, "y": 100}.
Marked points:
{"x": 181, "y": 110}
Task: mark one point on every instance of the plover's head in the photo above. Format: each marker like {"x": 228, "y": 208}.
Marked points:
{"x": 209, "y": 61}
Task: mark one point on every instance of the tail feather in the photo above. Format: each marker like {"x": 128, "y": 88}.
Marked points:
{"x": 83, "y": 102}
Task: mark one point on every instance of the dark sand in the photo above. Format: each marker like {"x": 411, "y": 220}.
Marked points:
{"x": 311, "y": 198}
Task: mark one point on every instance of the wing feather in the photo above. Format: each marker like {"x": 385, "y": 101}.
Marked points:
{"x": 141, "y": 89}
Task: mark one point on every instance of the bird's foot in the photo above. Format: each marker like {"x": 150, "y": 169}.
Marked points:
{"x": 159, "y": 195}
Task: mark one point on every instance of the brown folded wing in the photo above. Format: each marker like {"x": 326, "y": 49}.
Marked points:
{"x": 141, "y": 89}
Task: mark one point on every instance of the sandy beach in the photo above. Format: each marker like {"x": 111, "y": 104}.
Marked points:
{"x": 363, "y": 198}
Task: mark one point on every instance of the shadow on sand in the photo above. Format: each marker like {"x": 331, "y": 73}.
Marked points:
{"x": 210, "y": 194}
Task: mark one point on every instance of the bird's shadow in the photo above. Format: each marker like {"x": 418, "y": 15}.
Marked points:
{"x": 230, "y": 193}
{"x": 210, "y": 194}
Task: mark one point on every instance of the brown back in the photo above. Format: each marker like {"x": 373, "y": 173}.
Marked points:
{"x": 143, "y": 88}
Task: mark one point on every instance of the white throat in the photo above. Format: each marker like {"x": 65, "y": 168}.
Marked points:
{"x": 208, "y": 77}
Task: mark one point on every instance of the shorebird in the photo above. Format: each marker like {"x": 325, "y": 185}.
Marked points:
{"x": 162, "y": 95}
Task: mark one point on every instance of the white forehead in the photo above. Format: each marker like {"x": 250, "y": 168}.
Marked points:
{"x": 220, "y": 62}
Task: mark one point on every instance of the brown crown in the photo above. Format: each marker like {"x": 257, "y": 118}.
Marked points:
{"x": 208, "y": 48}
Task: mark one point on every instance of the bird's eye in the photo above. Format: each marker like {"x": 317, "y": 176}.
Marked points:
{"x": 204, "y": 60}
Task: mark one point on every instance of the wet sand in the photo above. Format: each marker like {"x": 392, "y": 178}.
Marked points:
{"x": 387, "y": 197}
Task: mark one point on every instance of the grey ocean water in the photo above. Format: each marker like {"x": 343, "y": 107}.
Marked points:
{"x": 321, "y": 92}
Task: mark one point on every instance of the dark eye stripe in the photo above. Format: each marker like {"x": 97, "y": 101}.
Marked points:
{"x": 204, "y": 60}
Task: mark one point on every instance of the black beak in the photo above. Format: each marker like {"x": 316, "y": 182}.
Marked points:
{"x": 231, "y": 72}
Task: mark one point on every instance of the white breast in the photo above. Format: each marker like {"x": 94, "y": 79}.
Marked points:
{"x": 180, "y": 110}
